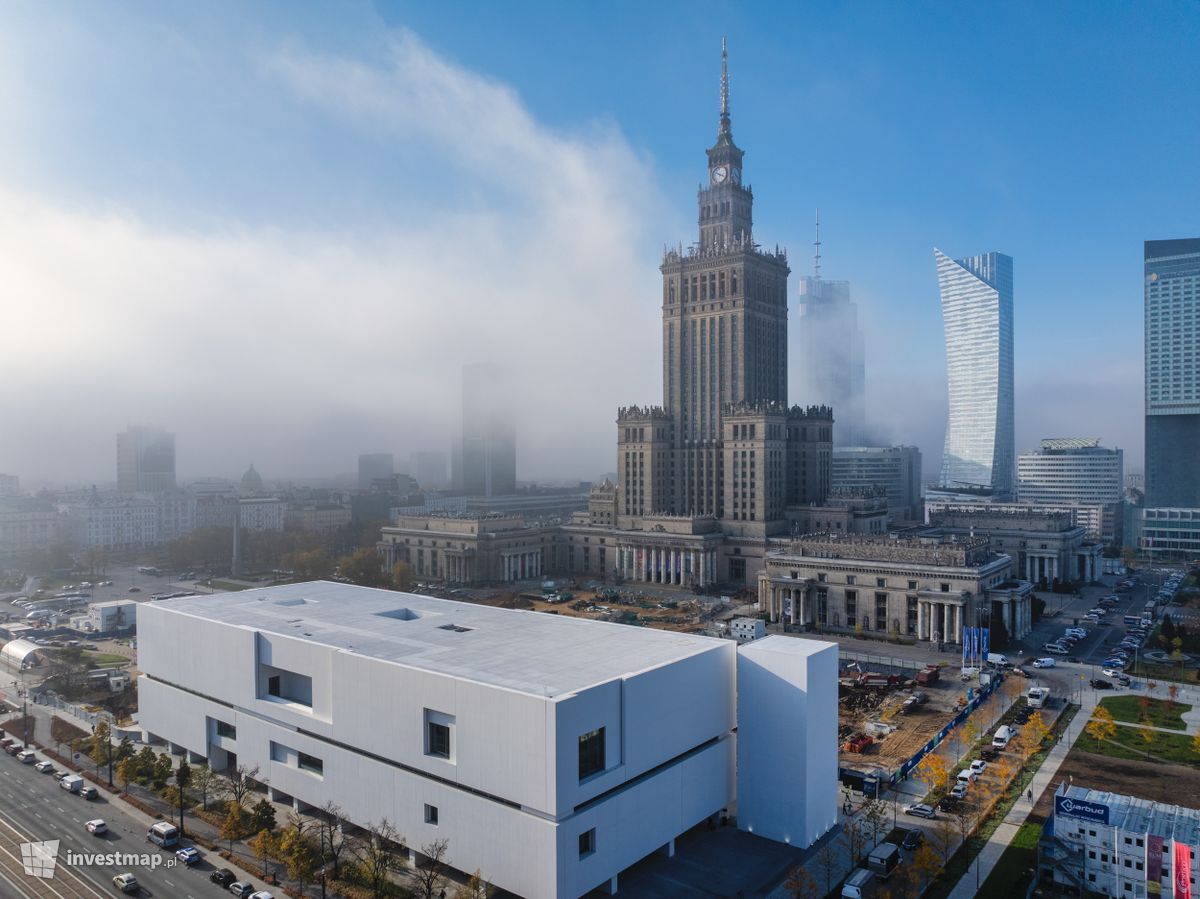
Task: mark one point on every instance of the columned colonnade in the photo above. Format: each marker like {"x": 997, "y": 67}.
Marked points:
{"x": 519, "y": 565}
{"x": 662, "y": 564}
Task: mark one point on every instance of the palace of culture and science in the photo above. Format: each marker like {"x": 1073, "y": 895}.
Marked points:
{"x": 705, "y": 480}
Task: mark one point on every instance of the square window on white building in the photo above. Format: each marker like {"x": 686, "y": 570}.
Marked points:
{"x": 439, "y": 731}
{"x": 431, "y": 814}
{"x": 587, "y": 843}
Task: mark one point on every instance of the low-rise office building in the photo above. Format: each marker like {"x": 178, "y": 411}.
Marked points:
{"x": 928, "y": 586}
{"x": 1117, "y": 845}
{"x": 1045, "y": 546}
{"x": 550, "y": 752}
{"x": 894, "y": 469}
{"x": 1170, "y": 533}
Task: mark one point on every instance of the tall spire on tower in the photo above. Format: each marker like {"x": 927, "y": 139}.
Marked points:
{"x": 817, "y": 248}
{"x": 724, "y": 128}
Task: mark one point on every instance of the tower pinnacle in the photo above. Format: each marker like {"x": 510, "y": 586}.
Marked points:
{"x": 724, "y": 127}
{"x": 817, "y": 248}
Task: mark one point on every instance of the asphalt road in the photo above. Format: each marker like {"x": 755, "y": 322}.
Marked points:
{"x": 33, "y": 808}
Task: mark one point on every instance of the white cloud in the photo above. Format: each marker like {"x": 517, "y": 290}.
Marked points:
{"x": 299, "y": 347}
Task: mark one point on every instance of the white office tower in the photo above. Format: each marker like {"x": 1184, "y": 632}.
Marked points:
{"x": 787, "y": 763}
{"x": 977, "y": 312}
{"x": 550, "y": 752}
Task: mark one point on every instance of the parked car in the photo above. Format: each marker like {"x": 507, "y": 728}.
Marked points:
{"x": 1111, "y": 672}
{"x": 948, "y": 803}
{"x": 262, "y": 894}
{"x": 989, "y": 754}
{"x": 1057, "y": 648}
{"x": 188, "y": 855}
{"x": 241, "y": 889}
{"x": 222, "y": 877}
{"x": 920, "y": 810}
{"x": 913, "y": 840}
{"x": 959, "y": 791}
{"x": 89, "y": 792}
{"x": 1122, "y": 679}
{"x": 97, "y": 826}
{"x": 44, "y": 766}
{"x": 978, "y": 765}
{"x": 1098, "y": 684}
{"x": 26, "y": 757}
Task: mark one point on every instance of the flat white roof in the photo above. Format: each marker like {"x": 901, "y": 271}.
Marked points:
{"x": 531, "y": 652}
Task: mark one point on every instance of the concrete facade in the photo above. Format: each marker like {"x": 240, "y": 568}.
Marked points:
{"x": 1045, "y": 546}
{"x": 554, "y": 752}
{"x": 1076, "y": 470}
{"x": 145, "y": 460}
{"x": 787, "y": 739}
{"x": 929, "y": 587}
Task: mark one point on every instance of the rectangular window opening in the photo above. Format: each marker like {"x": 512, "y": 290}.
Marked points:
{"x": 591, "y": 753}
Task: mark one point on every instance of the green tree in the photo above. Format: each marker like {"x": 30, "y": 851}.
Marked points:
{"x": 146, "y": 758}
{"x": 262, "y": 816}
{"x": 102, "y": 748}
{"x": 363, "y": 567}
{"x": 875, "y": 813}
{"x": 183, "y": 776}
{"x": 161, "y": 772}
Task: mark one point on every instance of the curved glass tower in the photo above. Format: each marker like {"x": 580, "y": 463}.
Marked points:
{"x": 977, "y": 313}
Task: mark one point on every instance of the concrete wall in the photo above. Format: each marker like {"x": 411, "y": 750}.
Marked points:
{"x": 787, "y": 738}
{"x": 367, "y": 726}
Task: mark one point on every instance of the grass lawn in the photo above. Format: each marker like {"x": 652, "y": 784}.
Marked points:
{"x": 1159, "y": 711}
{"x": 228, "y": 586}
{"x": 105, "y": 659}
{"x": 1163, "y": 673}
{"x": 1015, "y": 868}
{"x": 1167, "y": 747}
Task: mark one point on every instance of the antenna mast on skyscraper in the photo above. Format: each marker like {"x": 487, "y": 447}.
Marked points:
{"x": 817, "y": 248}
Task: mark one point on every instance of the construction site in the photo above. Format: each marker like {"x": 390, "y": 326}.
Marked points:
{"x": 887, "y": 712}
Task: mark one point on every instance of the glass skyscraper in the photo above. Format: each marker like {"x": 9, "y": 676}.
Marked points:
{"x": 1172, "y": 309}
{"x": 977, "y": 312}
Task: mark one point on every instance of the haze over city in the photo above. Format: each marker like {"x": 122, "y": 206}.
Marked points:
{"x": 281, "y": 234}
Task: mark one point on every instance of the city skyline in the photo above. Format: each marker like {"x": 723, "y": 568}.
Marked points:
{"x": 574, "y": 180}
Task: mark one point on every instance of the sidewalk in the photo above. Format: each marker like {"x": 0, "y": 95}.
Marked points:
{"x": 983, "y": 863}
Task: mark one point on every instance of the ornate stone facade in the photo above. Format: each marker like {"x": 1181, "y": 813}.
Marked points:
{"x": 929, "y": 587}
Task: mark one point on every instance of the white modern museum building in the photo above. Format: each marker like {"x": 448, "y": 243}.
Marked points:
{"x": 550, "y": 752}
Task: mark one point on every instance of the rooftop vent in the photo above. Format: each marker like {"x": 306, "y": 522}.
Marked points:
{"x": 457, "y": 628}
{"x": 289, "y": 602}
{"x": 401, "y": 614}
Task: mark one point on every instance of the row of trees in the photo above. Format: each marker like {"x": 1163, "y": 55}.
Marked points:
{"x": 305, "y": 847}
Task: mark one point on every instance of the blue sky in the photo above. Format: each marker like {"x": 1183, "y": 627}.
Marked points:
{"x": 269, "y": 216}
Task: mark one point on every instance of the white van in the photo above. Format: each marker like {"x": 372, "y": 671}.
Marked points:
{"x": 1003, "y": 734}
{"x": 72, "y": 783}
{"x": 164, "y": 834}
{"x": 996, "y": 658}
{"x": 859, "y": 885}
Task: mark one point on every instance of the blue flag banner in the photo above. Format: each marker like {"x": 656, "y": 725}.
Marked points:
{"x": 966, "y": 647}
{"x": 987, "y": 633}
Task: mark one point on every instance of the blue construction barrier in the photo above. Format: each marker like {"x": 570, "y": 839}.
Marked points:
{"x": 981, "y": 697}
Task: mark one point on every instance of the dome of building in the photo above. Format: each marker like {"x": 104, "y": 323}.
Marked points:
{"x": 252, "y": 481}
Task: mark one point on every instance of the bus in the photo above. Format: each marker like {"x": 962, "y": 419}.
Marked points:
{"x": 149, "y": 570}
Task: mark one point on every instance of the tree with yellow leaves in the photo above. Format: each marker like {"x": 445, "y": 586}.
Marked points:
{"x": 1037, "y": 730}
{"x": 932, "y": 772}
{"x": 1102, "y": 727}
